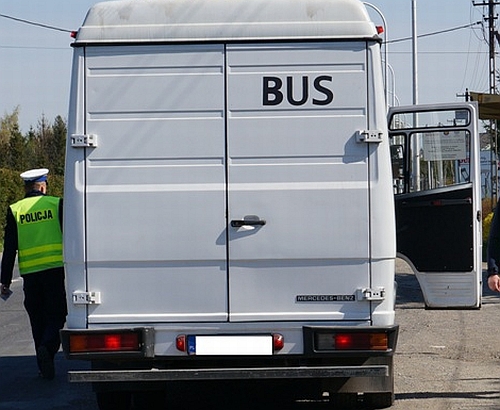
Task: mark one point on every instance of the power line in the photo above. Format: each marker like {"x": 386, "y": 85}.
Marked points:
{"x": 34, "y": 23}
{"x": 448, "y": 30}
{"x": 440, "y": 52}
{"x": 32, "y": 48}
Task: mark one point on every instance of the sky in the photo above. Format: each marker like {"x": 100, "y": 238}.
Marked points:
{"x": 35, "y": 62}
{"x": 447, "y": 63}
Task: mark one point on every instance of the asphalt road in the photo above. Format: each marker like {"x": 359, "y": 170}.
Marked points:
{"x": 445, "y": 360}
{"x": 20, "y": 386}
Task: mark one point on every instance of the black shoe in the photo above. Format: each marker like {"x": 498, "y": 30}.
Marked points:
{"x": 45, "y": 363}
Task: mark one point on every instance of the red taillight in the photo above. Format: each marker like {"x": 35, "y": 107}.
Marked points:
{"x": 180, "y": 343}
{"x": 278, "y": 342}
{"x": 104, "y": 342}
{"x": 380, "y": 29}
{"x": 343, "y": 342}
{"x": 112, "y": 342}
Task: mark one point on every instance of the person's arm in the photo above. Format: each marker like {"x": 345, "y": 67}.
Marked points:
{"x": 9, "y": 250}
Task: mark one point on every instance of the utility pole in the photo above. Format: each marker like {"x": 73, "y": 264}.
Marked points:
{"x": 416, "y": 149}
{"x": 492, "y": 83}
{"x": 492, "y": 36}
{"x": 414, "y": 46}
{"x": 492, "y": 31}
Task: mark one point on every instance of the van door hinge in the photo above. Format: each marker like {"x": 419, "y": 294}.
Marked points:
{"x": 369, "y": 136}
{"x": 86, "y": 298}
{"x": 370, "y": 294}
{"x": 83, "y": 140}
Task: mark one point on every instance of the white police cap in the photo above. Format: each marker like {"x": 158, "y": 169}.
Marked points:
{"x": 35, "y": 175}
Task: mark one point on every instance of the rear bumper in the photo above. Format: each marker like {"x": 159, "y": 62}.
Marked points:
{"x": 157, "y": 375}
{"x": 315, "y": 361}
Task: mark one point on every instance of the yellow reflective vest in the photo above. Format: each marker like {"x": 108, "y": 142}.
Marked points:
{"x": 39, "y": 233}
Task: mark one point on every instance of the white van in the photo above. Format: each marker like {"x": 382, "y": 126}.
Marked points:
{"x": 229, "y": 200}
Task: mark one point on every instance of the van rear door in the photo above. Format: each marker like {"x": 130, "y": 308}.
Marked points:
{"x": 155, "y": 185}
{"x": 299, "y": 203}
{"x": 436, "y": 170}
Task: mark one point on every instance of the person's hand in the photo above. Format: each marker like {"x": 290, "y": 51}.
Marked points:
{"x": 4, "y": 290}
{"x": 494, "y": 283}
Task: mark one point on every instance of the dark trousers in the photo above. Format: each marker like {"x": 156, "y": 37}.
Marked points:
{"x": 45, "y": 302}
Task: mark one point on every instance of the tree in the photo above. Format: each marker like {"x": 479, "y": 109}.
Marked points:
{"x": 50, "y": 142}
{"x": 43, "y": 147}
{"x": 11, "y": 141}
{"x": 59, "y": 131}
{"x": 7, "y": 124}
{"x": 31, "y": 146}
{"x": 17, "y": 145}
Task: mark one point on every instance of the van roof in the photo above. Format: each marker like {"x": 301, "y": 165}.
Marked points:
{"x": 129, "y": 21}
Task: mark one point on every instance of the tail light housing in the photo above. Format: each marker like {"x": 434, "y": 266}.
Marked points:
{"x": 351, "y": 339}
{"x": 113, "y": 342}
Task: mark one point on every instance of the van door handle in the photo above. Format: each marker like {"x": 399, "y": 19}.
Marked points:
{"x": 238, "y": 223}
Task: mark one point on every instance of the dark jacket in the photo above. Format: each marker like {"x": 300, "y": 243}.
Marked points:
{"x": 493, "y": 249}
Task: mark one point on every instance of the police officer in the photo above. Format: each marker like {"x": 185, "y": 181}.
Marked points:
{"x": 34, "y": 231}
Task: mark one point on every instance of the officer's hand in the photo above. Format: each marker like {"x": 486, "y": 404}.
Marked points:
{"x": 494, "y": 283}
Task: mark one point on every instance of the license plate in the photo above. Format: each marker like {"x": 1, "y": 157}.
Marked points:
{"x": 230, "y": 345}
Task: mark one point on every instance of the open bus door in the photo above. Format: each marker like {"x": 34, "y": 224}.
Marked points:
{"x": 436, "y": 172}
